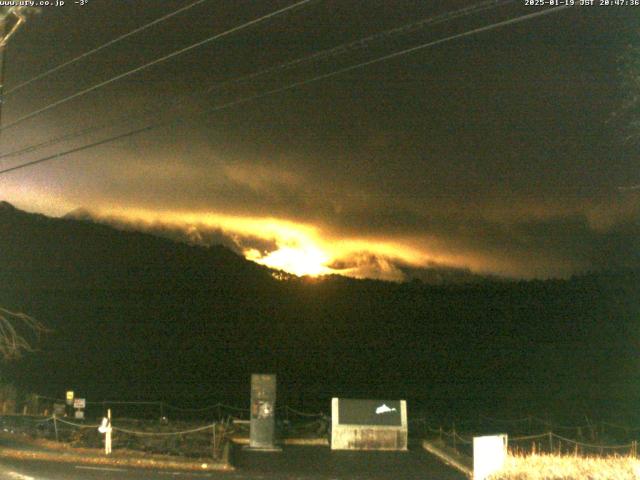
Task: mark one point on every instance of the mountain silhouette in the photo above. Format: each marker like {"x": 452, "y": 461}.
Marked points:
{"x": 203, "y": 235}
{"x": 136, "y": 316}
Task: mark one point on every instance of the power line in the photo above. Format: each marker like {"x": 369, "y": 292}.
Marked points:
{"x": 630, "y": 188}
{"x": 102, "y": 47}
{"x": 126, "y": 118}
{"x": 363, "y": 42}
{"x": 18, "y": 13}
{"x": 164, "y": 58}
{"x": 324, "y": 54}
{"x": 291, "y": 86}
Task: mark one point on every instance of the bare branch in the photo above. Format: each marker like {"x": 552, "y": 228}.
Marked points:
{"x": 18, "y": 333}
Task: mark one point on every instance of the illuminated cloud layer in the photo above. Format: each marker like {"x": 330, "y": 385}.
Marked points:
{"x": 493, "y": 155}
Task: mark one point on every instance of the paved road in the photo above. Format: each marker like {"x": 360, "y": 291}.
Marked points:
{"x": 294, "y": 463}
{"x": 316, "y": 463}
{"x": 38, "y": 470}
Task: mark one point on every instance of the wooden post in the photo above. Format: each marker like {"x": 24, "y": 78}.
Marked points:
{"x": 215, "y": 448}
{"x": 55, "y": 426}
{"x": 550, "y": 442}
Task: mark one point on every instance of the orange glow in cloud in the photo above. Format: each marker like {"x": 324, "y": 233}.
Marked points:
{"x": 299, "y": 249}
{"x": 302, "y": 249}
{"x": 304, "y": 260}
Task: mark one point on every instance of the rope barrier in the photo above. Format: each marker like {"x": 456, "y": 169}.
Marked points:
{"x": 556, "y": 426}
{"x": 588, "y": 445}
{"x": 140, "y": 433}
{"x": 48, "y": 419}
{"x": 528, "y": 437}
{"x": 204, "y": 409}
{"x": 163, "y": 434}
{"x": 547, "y": 435}
{"x": 452, "y": 435}
{"x": 158, "y": 403}
{"x": 422, "y": 420}
{"x": 198, "y": 409}
{"x": 78, "y": 425}
{"x": 122, "y": 402}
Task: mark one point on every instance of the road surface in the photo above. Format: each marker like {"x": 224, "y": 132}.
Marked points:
{"x": 294, "y": 463}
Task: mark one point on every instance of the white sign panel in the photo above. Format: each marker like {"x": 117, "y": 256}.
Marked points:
{"x": 79, "y": 403}
{"x": 489, "y": 455}
{"x": 368, "y": 424}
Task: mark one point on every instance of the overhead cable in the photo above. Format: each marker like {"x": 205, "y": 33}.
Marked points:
{"x": 84, "y": 55}
{"x": 291, "y": 86}
{"x": 157, "y": 61}
{"x": 323, "y": 54}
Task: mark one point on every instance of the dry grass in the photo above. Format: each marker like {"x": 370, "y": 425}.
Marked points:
{"x": 540, "y": 466}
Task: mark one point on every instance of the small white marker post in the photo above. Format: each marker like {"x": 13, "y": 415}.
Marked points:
{"x": 105, "y": 428}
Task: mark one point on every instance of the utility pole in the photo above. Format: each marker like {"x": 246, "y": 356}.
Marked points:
{"x": 11, "y": 18}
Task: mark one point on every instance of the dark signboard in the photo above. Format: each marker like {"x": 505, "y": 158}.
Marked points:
{"x": 59, "y": 409}
{"x": 369, "y": 412}
{"x": 263, "y": 407}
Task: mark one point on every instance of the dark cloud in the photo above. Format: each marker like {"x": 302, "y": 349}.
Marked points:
{"x": 494, "y": 154}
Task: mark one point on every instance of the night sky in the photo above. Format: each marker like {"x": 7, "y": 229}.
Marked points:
{"x": 509, "y": 152}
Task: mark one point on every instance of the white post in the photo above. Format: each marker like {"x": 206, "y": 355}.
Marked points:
{"x": 105, "y": 428}
{"x": 107, "y": 442}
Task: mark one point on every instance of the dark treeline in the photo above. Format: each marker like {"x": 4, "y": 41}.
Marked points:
{"x": 134, "y": 316}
